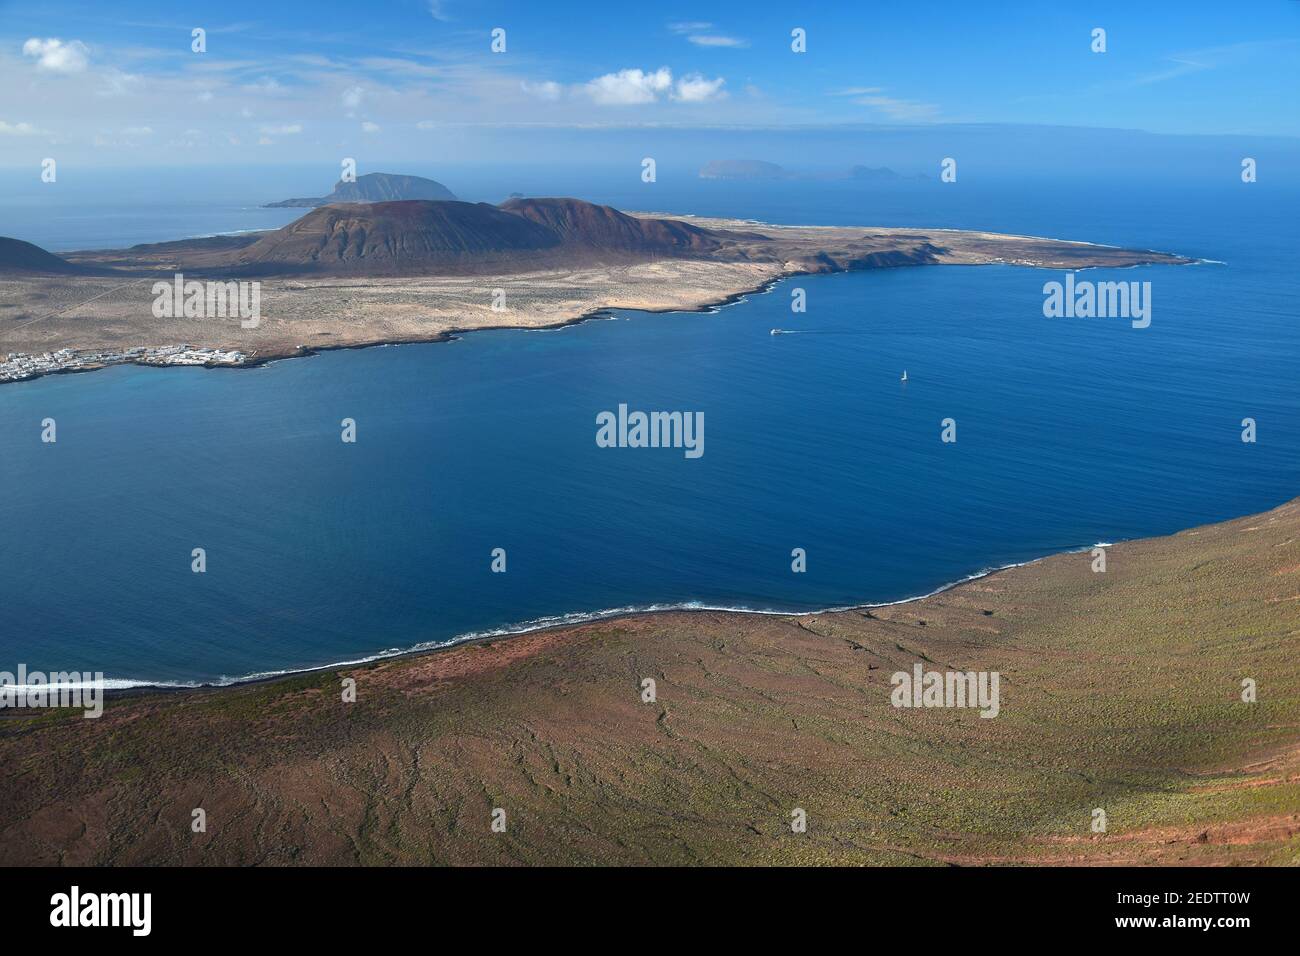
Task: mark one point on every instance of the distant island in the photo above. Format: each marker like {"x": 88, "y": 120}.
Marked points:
{"x": 743, "y": 169}
{"x": 759, "y": 170}
{"x": 373, "y": 187}
{"x": 353, "y": 274}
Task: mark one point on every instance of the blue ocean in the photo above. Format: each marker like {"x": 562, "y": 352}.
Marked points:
{"x": 1068, "y": 432}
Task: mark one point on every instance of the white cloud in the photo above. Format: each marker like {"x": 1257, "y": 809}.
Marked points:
{"x": 704, "y": 39}
{"x": 256, "y": 97}
{"x": 352, "y": 97}
{"x": 1197, "y": 61}
{"x": 369, "y": 127}
{"x": 901, "y": 110}
{"x": 56, "y": 56}
{"x": 896, "y": 109}
{"x": 118, "y": 83}
{"x": 396, "y": 67}
{"x": 18, "y": 129}
{"x": 695, "y": 32}
{"x": 628, "y": 87}
{"x": 696, "y": 89}
{"x": 435, "y": 10}
{"x": 546, "y": 90}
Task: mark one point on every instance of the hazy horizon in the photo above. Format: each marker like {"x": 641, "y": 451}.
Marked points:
{"x": 418, "y": 81}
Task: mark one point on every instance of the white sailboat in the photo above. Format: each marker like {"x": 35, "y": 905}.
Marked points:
{"x": 904, "y": 378}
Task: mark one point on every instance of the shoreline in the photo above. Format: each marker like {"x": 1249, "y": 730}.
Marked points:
{"x": 567, "y": 619}
{"x": 754, "y": 714}
{"x": 576, "y": 619}
{"x": 559, "y": 622}
{"x": 254, "y": 360}
{"x": 708, "y": 306}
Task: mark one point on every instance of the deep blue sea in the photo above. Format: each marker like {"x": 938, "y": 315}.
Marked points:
{"x": 1069, "y": 432}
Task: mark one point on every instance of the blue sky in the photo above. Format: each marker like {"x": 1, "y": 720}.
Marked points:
{"x": 285, "y": 82}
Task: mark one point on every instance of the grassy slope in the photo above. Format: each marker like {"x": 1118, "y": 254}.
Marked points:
{"x": 1119, "y": 690}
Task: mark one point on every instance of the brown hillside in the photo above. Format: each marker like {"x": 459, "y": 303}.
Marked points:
{"x": 17, "y": 256}
{"x": 604, "y": 227}
{"x": 395, "y": 237}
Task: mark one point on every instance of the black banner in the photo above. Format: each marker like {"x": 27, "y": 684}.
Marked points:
{"x": 308, "y": 905}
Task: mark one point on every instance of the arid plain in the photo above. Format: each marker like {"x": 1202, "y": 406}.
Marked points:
{"x": 305, "y": 311}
